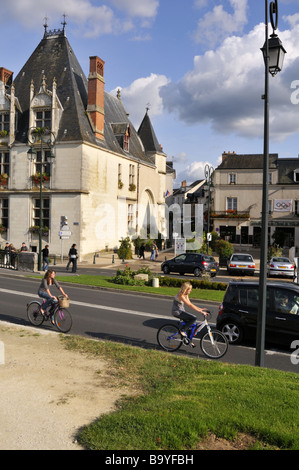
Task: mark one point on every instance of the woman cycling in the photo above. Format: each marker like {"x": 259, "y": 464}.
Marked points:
{"x": 178, "y": 307}
{"x": 44, "y": 290}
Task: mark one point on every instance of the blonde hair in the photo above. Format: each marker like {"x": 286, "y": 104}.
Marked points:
{"x": 185, "y": 287}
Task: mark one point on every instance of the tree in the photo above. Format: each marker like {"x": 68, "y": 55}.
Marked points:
{"x": 125, "y": 250}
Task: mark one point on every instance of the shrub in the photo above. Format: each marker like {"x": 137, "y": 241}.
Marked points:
{"x": 126, "y": 277}
{"x": 196, "y": 283}
{"x": 125, "y": 250}
{"x": 223, "y": 248}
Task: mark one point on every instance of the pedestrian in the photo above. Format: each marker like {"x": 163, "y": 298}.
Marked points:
{"x": 13, "y": 255}
{"x": 6, "y": 254}
{"x": 24, "y": 247}
{"x": 141, "y": 251}
{"x": 73, "y": 257}
{"x": 46, "y": 261}
{"x": 153, "y": 251}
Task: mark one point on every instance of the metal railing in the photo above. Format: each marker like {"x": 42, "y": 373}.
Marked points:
{"x": 8, "y": 259}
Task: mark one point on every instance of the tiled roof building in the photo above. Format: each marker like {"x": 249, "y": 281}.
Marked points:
{"x": 102, "y": 169}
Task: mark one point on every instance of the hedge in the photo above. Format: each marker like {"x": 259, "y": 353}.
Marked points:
{"x": 196, "y": 284}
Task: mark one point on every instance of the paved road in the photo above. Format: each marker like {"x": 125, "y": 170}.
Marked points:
{"x": 124, "y": 317}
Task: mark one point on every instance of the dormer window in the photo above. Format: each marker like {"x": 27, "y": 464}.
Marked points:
{"x": 296, "y": 175}
{"x": 43, "y": 119}
{"x": 4, "y": 123}
{"x": 127, "y": 141}
{"x": 122, "y": 133}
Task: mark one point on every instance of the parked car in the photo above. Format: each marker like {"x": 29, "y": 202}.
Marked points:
{"x": 237, "y": 317}
{"x": 280, "y": 266}
{"x": 195, "y": 263}
{"x": 241, "y": 263}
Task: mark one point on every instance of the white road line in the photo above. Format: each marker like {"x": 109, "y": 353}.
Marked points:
{"x": 122, "y": 310}
{"x": 85, "y": 304}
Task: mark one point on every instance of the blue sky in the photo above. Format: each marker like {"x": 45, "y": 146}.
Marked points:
{"x": 197, "y": 64}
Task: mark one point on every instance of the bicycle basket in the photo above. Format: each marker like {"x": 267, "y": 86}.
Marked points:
{"x": 64, "y": 302}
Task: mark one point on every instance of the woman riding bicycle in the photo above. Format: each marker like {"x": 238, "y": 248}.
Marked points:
{"x": 178, "y": 307}
{"x": 44, "y": 290}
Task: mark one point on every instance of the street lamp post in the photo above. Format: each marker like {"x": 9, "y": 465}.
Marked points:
{"x": 209, "y": 170}
{"x": 273, "y": 53}
{"x": 42, "y": 138}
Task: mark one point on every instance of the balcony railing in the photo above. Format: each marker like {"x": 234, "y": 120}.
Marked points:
{"x": 229, "y": 214}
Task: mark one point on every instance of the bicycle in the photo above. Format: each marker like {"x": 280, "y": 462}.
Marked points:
{"x": 60, "y": 314}
{"x": 213, "y": 343}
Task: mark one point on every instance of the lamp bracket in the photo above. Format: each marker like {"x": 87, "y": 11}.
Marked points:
{"x": 274, "y": 14}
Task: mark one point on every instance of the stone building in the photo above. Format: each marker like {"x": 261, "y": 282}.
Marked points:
{"x": 107, "y": 178}
{"x": 237, "y": 199}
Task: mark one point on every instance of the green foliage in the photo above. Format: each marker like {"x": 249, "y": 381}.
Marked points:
{"x": 181, "y": 400}
{"x": 274, "y": 251}
{"x": 125, "y": 250}
{"x": 126, "y": 277}
{"x": 223, "y": 248}
{"x": 196, "y": 284}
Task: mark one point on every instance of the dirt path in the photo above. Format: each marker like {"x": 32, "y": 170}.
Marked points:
{"x": 47, "y": 393}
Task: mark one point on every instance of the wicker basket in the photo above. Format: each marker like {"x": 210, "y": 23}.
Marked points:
{"x": 64, "y": 302}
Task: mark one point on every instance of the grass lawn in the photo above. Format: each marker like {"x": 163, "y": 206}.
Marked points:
{"x": 177, "y": 401}
{"x": 104, "y": 281}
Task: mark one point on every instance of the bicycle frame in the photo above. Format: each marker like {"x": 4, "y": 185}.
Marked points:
{"x": 197, "y": 327}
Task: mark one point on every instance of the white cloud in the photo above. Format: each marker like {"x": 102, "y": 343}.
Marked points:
{"x": 218, "y": 23}
{"x": 140, "y": 8}
{"x": 91, "y": 20}
{"x": 143, "y": 93}
{"x": 225, "y": 87}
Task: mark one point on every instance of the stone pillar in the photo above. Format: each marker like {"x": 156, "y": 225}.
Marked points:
{"x": 27, "y": 261}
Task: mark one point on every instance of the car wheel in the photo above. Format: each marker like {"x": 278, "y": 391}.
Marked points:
{"x": 197, "y": 272}
{"x": 233, "y": 332}
{"x": 166, "y": 270}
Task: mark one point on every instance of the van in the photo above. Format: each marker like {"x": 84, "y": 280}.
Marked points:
{"x": 237, "y": 317}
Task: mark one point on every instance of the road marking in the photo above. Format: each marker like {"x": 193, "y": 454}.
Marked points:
{"x": 85, "y": 304}
{"x": 122, "y": 310}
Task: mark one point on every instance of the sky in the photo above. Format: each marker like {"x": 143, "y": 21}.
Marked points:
{"x": 195, "y": 64}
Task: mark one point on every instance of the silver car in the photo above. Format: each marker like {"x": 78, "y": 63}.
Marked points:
{"x": 280, "y": 266}
{"x": 241, "y": 263}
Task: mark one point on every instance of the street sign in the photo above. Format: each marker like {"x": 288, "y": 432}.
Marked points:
{"x": 65, "y": 232}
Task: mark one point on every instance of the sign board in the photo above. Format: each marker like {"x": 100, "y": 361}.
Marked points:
{"x": 65, "y": 232}
{"x": 179, "y": 246}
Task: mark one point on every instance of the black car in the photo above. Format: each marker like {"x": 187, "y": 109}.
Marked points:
{"x": 237, "y": 317}
{"x": 194, "y": 263}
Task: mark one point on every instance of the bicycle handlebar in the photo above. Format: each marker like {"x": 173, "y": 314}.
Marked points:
{"x": 208, "y": 315}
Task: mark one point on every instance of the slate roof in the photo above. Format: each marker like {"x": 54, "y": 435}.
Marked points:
{"x": 286, "y": 167}
{"x": 54, "y": 58}
{"x": 148, "y": 136}
{"x": 246, "y": 161}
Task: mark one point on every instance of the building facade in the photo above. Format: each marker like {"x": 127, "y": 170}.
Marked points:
{"x": 237, "y": 199}
{"x": 107, "y": 178}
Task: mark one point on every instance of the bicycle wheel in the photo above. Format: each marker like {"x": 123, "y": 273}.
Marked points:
{"x": 169, "y": 338}
{"x": 215, "y": 348}
{"x": 63, "y": 320}
{"x": 34, "y": 314}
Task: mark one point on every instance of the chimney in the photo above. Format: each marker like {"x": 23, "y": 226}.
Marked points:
{"x": 6, "y": 76}
{"x": 96, "y": 91}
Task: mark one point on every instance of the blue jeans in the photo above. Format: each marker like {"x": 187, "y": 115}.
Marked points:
{"x": 45, "y": 264}
{"x": 49, "y": 300}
